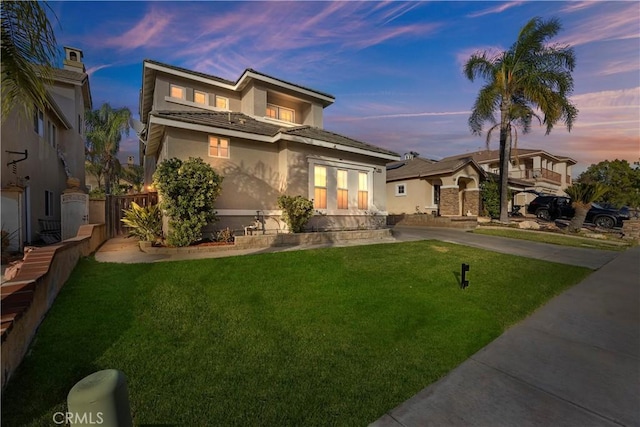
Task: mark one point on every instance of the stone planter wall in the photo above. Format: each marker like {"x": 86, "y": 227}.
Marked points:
{"x": 285, "y": 239}
{"x": 27, "y": 298}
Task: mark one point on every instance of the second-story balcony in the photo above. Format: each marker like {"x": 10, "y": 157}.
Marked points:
{"x": 537, "y": 175}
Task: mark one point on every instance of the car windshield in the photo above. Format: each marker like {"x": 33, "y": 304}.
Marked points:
{"x": 595, "y": 205}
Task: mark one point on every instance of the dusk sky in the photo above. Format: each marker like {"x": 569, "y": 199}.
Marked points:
{"x": 395, "y": 68}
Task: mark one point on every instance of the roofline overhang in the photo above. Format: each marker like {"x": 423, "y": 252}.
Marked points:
{"x": 245, "y": 78}
{"x": 531, "y": 154}
{"x": 58, "y": 111}
{"x": 280, "y": 136}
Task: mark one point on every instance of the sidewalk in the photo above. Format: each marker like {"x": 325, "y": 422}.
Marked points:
{"x": 574, "y": 362}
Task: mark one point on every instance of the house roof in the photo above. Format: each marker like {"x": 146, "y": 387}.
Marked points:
{"x": 242, "y": 125}
{"x": 150, "y": 67}
{"x": 486, "y": 156}
{"x": 419, "y": 167}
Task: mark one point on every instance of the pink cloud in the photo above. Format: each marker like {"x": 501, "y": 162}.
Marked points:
{"x": 496, "y": 9}
{"x": 616, "y": 24}
{"x": 150, "y": 31}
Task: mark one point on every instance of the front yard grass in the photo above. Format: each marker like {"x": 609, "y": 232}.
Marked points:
{"x": 557, "y": 239}
{"x": 318, "y": 337}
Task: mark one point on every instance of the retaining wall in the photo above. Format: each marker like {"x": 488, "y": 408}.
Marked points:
{"x": 462, "y": 222}
{"x": 285, "y": 239}
{"x": 27, "y": 298}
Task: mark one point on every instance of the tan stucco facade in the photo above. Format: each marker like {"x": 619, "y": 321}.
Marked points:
{"x": 55, "y": 148}
{"x": 264, "y": 160}
{"x": 454, "y": 193}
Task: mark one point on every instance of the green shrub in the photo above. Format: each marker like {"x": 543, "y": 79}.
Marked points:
{"x": 296, "y": 211}
{"x": 188, "y": 191}
{"x": 490, "y": 193}
{"x": 144, "y": 223}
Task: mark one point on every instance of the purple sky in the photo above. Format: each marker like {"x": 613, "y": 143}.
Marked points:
{"x": 395, "y": 68}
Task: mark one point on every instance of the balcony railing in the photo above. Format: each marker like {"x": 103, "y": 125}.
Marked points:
{"x": 538, "y": 174}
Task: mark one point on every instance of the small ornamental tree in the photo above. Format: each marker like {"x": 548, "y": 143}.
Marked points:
{"x": 582, "y": 195}
{"x": 296, "y": 211}
{"x": 188, "y": 191}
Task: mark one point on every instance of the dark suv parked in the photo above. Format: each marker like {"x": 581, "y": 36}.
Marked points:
{"x": 552, "y": 207}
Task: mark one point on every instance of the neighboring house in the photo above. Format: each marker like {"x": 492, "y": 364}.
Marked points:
{"x": 39, "y": 155}
{"x": 125, "y": 185}
{"x": 446, "y": 187}
{"x": 265, "y": 136}
{"x": 530, "y": 169}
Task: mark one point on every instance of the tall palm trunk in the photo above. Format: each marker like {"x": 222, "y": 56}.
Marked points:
{"x": 505, "y": 157}
{"x": 581, "y": 210}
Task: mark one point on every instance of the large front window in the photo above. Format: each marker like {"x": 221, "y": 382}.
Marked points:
{"x": 320, "y": 191}
{"x": 338, "y": 187}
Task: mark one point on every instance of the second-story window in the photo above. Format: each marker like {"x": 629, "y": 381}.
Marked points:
{"x": 52, "y": 134}
{"x": 281, "y": 113}
{"x": 177, "y": 92}
{"x": 200, "y": 97}
{"x": 38, "y": 121}
{"x": 218, "y": 147}
{"x": 222, "y": 102}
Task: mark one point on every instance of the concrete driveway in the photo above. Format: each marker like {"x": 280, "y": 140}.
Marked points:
{"x": 583, "y": 257}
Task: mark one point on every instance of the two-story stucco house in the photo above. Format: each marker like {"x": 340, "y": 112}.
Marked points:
{"x": 39, "y": 155}
{"x": 266, "y": 137}
{"x": 529, "y": 169}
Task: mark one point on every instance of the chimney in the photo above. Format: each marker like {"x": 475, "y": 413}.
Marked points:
{"x": 73, "y": 60}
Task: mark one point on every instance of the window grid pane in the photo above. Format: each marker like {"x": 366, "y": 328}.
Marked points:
{"x": 363, "y": 200}
{"x": 343, "y": 199}
{"x": 286, "y": 115}
{"x": 320, "y": 178}
{"x": 320, "y": 198}
{"x": 362, "y": 181}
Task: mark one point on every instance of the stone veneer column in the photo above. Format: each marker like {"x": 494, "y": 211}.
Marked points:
{"x": 472, "y": 201}
{"x": 449, "y": 204}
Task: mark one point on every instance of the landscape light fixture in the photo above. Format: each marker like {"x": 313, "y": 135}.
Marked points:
{"x": 463, "y": 280}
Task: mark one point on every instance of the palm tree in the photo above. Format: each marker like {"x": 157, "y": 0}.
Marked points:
{"x": 104, "y": 133}
{"x": 134, "y": 175}
{"x": 530, "y": 75}
{"x": 582, "y": 195}
{"x": 28, "y": 51}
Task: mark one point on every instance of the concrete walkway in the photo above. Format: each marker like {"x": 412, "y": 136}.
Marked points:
{"x": 574, "y": 362}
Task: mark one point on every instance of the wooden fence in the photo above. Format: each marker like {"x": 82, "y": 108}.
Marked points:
{"x": 114, "y": 205}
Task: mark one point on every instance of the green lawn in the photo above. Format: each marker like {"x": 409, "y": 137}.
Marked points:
{"x": 557, "y": 239}
{"x": 319, "y": 337}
